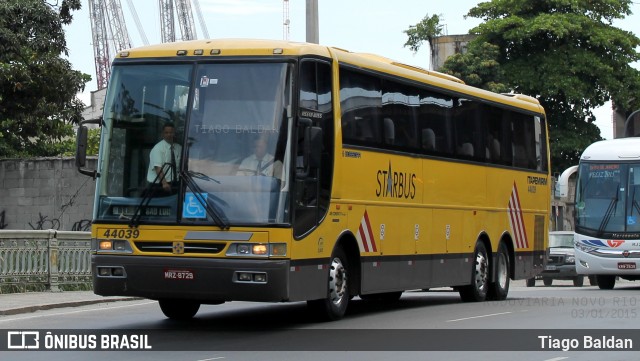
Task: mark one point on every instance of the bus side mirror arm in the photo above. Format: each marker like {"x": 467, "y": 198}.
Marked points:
{"x": 81, "y": 148}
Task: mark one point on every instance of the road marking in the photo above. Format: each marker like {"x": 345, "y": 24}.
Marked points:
{"x": 70, "y": 312}
{"x": 213, "y": 358}
{"x": 470, "y": 318}
{"x": 557, "y": 359}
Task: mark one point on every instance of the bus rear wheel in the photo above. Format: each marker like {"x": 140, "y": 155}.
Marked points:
{"x": 179, "y": 309}
{"x": 334, "y": 306}
{"x": 499, "y": 289}
{"x": 478, "y": 289}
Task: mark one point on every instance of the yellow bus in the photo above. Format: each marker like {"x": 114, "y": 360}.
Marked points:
{"x": 302, "y": 172}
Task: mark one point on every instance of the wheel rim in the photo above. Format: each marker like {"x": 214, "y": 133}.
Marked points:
{"x": 481, "y": 272}
{"x": 502, "y": 270}
{"x": 337, "y": 282}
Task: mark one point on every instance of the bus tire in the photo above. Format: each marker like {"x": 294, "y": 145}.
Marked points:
{"x": 478, "y": 289}
{"x": 547, "y": 281}
{"x": 606, "y": 282}
{"x": 334, "y": 306}
{"x": 499, "y": 289}
{"x": 531, "y": 282}
{"x": 179, "y": 309}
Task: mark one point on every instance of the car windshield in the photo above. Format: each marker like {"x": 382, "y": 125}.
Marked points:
{"x": 561, "y": 240}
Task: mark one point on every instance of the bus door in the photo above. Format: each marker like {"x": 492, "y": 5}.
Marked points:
{"x": 314, "y": 146}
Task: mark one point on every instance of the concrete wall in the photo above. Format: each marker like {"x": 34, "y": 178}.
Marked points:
{"x": 446, "y": 46}
{"x": 45, "y": 193}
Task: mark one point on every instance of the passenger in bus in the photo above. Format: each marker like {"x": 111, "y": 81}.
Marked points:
{"x": 260, "y": 162}
{"x": 428, "y": 139}
{"x": 163, "y": 163}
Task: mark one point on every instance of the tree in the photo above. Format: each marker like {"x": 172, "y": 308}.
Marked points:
{"x": 566, "y": 53}
{"x": 38, "y": 87}
{"x": 426, "y": 30}
{"x": 479, "y": 67}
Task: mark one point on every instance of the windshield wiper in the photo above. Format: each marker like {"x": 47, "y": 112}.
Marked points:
{"x": 147, "y": 194}
{"x": 610, "y": 210}
{"x": 216, "y": 215}
{"x": 634, "y": 202}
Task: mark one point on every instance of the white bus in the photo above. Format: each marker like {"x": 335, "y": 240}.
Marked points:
{"x": 607, "y": 216}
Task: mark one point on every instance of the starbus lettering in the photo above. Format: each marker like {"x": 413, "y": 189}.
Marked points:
{"x": 396, "y": 184}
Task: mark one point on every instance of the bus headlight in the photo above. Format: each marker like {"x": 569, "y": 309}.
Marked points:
{"x": 112, "y": 245}
{"x": 257, "y": 249}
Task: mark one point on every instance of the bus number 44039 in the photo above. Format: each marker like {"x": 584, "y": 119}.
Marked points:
{"x": 178, "y": 275}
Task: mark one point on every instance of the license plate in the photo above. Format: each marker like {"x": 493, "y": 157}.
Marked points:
{"x": 182, "y": 274}
{"x": 550, "y": 268}
{"x": 626, "y": 265}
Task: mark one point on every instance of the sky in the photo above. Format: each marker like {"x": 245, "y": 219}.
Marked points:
{"x": 370, "y": 26}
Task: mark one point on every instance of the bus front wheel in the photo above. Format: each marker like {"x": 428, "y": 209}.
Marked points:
{"x": 334, "y": 306}
{"x": 179, "y": 309}
{"x": 477, "y": 290}
{"x": 606, "y": 282}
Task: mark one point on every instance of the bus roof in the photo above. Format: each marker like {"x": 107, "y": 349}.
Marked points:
{"x": 257, "y": 47}
{"x": 613, "y": 150}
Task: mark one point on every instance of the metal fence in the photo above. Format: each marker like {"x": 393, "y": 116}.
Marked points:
{"x": 46, "y": 258}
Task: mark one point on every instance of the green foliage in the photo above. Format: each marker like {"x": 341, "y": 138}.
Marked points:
{"x": 94, "y": 142}
{"x": 478, "y": 67}
{"x": 568, "y": 55}
{"x": 427, "y": 29}
{"x": 38, "y": 87}
{"x": 564, "y": 52}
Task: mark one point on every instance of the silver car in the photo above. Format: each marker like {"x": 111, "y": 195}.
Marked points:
{"x": 560, "y": 262}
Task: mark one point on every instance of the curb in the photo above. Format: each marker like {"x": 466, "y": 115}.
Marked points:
{"x": 30, "y": 309}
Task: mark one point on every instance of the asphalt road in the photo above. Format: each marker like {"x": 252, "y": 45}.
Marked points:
{"x": 532, "y": 324}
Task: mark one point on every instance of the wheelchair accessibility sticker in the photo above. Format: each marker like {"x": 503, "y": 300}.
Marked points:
{"x": 192, "y": 208}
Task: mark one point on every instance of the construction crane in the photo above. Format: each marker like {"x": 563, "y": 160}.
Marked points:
{"x": 109, "y": 35}
{"x": 185, "y": 20}
{"x": 101, "y": 54}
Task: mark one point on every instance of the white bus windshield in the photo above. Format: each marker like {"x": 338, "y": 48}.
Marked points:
{"x": 607, "y": 198}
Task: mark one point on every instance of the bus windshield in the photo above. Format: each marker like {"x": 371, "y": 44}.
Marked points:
{"x": 607, "y": 197}
{"x": 192, "y": 143}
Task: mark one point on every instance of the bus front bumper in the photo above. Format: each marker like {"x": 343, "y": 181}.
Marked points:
{"x": 589, "y": 264}
{"x": 207, "y": 280}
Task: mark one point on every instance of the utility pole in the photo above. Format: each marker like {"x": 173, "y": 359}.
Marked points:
{"x": 312, "y": 22}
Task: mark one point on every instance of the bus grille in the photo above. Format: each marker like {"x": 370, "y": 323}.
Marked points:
{"x": 189, "y": 247}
